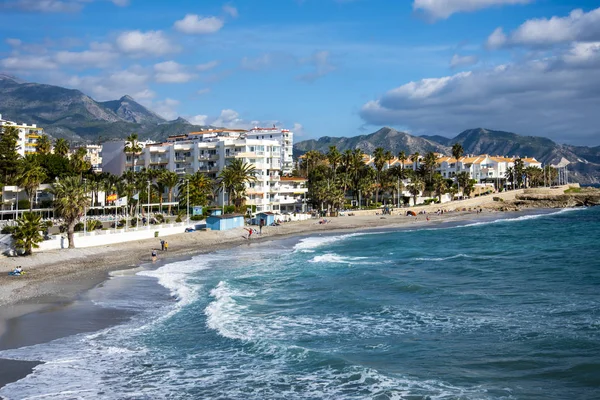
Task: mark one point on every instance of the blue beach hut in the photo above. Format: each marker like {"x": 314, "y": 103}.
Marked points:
{"x": 224, "y": 222}
{"x": 268, "y": 217}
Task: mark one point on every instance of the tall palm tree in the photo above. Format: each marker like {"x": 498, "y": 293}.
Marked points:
{"x": 440, "y": 185}
{"x": 27, "y": 234}
{"x": 519, "y": 171}
{"x": 430, "y": 162}
{"x": 416, "y": 186}
{"x": 457, "y": 152}
{"x": 510, "y": 175}
{"x": 170, "y": 180}
{"x": 234, "y": 178}
{"x": 380, "y": 160}
{"x": 78, "y": 163}
{"x": 334, "y": 157}
{"x": 133, "y": 148}
{"x": 61, "y": 147}
{"x": 200, "y": 189}
{"x": 402, "y": 158}
{"x": 415, "y": 160}
{"x": 44, "y": 146}
{"x": 465, "y": 181}
{"x": 30, "y": 178}
{"x": 70, "y": 201}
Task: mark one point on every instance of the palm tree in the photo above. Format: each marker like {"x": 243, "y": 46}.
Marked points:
{"x": 519, "y": 171}
{"x": 416, "y": 186}
{"x": 61, "y": 147}
{"x": 463, "y": 179}
{"x": 78, "y": 162}
{"x": 457, "y": 152}
{"x": 234, "y": 178}
{"x": 200, "y": 189}
{"x": 415, "y": 160}
{"x": 170, "y": 180}
{"x": 440, "y": 185}
{"x": 510, "y": 175}
{"x": 430, "y": 163}
{"x": 70, "y": 201}
{"x": 133, "y": 148}
{"x": 334, "y": 157}
{"x": 27, "y": 233}
{"x": 32, "y": 175}
{"x": 44, "y": 146}
{"x": 402, "y": 158}
{"x": 380, "y": 160}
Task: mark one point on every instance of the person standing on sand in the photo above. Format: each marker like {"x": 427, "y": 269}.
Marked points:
{"x": 153, "y": 255}
{"x": 261, "y": 224}
{"x": 166, "y": 246}
{"x": 162, "y": 245}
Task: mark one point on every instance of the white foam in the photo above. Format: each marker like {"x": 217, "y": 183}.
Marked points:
{"x": 335, "y": 258}
{"x": 224, "y": 313}
{"x": 442, "y": 258}
{"x": 521, "y": 218}
{"x": 307, "y": 245}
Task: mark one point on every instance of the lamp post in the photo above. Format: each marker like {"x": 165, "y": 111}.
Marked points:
{"x": 398, "y": 190}
{"x": 148, "y": 208}
{"x": 188, "y": 200}
{"x": 85, "y": 209}
{"x": 223, "y": 190}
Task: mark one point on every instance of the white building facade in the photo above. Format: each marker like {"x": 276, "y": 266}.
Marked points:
{"x": 28, "y": 136}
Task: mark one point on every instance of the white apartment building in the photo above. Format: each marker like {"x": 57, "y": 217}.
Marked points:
{"x": 93, "y": 155}
{"x": 210, "y": 152}
{"x": 28, "y": 136}
{"x": 286, "y": 140}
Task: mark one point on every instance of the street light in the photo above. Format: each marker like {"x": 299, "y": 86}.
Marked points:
{"x": 187, "y": 183}
{"x": 85, "y": 208}
{"x": 148, "y": 208}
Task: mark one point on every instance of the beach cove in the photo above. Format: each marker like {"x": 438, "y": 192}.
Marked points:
{"x": 63, "y": 282}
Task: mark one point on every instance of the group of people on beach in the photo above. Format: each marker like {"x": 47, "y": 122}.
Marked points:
{"x": 164, "y": 246}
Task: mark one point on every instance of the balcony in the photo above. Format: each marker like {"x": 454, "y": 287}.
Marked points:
{"x": 274, "y": 178}
{"x": 204, "y": 157}
{"x": 244, "y": 154}
{"x": 159, "y": 160}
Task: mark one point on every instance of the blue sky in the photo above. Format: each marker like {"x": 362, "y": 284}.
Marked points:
{"x": 325, "y": 67}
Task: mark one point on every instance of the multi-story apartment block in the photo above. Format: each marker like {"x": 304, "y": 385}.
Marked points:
{"x": 28, "y": 136}
{"x": 210, "y": 152}
{"x": 286, "y": 140}
{"x": 93, "y": 155}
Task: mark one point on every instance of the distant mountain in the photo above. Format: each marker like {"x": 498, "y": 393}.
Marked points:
{"x": 388, "y": 138}
{"x": 70, "y": 114}
{"x": 584, "y": 162}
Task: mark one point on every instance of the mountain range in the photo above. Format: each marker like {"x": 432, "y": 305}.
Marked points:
{"x": 583, "y": 162}
{"x": 71, "y": 114}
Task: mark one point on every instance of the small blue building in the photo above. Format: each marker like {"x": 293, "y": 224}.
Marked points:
{"x": 224, "y": 222}
{"x": 269, "y": 218}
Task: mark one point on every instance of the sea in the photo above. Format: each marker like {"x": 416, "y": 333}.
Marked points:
{"x": 500, "y": 308}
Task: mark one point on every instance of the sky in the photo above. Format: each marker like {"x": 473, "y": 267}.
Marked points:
{"x": 324, "y": 67}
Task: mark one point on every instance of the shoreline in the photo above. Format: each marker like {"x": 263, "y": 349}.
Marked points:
{"x": 61, "y": 283}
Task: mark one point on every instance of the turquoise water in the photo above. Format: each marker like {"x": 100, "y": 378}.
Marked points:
{"x": 500, "y": 309}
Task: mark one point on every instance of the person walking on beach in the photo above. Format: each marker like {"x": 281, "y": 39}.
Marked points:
{"x": 162, "y": 245}
{"x": 153, "y": 255}
{"x": 260, "y": 225}
{"x": 166, "y": 246}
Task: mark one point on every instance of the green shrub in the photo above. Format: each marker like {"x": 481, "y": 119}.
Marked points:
{"x": 159, "y": 218}
{"x": 495, "y": 198}
{"x": 8, "y": 229}
{"x": 197, "y": 217}
{"x": 229, "y": 209}
{"x": 178, "y": 219}
{"x": 24, "y": 204}
{"x": 569, "y": 190}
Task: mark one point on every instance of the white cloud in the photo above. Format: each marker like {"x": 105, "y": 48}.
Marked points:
{"x": 166, "y": 108}
{"x": 27, "y": 63}
{"x": 112, "y": 85}
{"x": 322, "y": 66}
{"x": 87, "y": 58}
{"x": 52, "y": 6}
{"x": 172, "y": 72}
{"x": 150, "y": 43}
{"x": 463, "y": 61}
{"x": 555, "y": 97}
{"x": 207, "y": 66}
{"x": 13, "y": 42}
{"x": 577, "y": 26}
{"x": 231, "y": 11}
{"x": 193, "y": 24}
{"x": 261, "y": 62}
{"x": 298, "y": 129}
{"x": 442, "y": 9}
{"x": 198, "y": 119}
